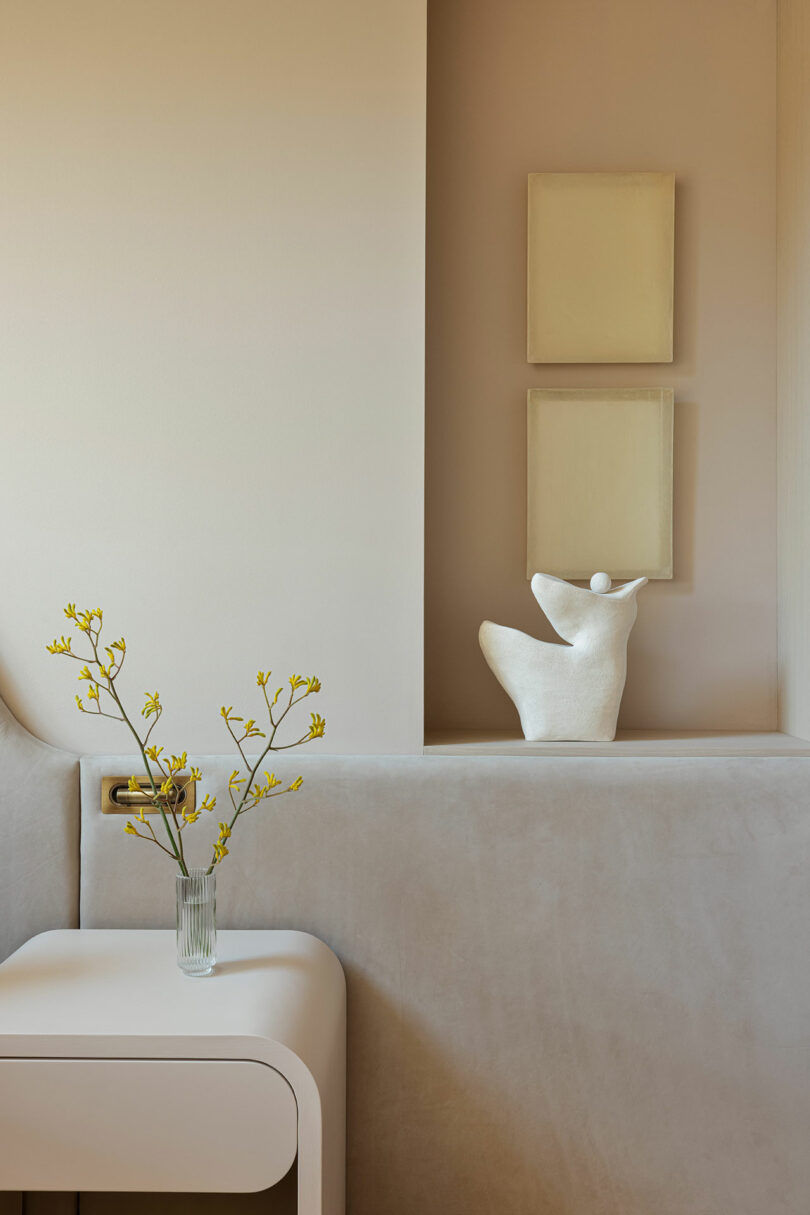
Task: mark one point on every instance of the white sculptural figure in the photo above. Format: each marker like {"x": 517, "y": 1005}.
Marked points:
{"x": 568, "y": 691}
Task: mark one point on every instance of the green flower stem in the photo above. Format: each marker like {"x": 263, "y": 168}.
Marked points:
{"x": 259, "y": 762}
{"x": 178, "y": 852}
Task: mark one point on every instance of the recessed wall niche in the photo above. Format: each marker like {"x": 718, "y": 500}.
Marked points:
{"x": 516, "y": 89}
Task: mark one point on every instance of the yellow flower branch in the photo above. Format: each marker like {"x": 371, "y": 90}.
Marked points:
{"x": 167, "y": 791}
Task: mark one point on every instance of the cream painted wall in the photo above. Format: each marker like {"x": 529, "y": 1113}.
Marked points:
{"x": 212, "y": 257}
{"x": 793, "y": 378}
{"x": 684, "y": 86}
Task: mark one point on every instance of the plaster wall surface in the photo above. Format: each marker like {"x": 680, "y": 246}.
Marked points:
{"x": 211, "y": 388}
{"x": 685, "y": 87}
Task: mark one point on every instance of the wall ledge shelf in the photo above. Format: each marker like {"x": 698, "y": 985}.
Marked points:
{"x": 664, "y": 744}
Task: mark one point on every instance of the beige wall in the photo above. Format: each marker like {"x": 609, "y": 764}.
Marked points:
{"x": 661, "y": 85}
{"x": 212, "y": 258}
{"x": 794, "y": 365}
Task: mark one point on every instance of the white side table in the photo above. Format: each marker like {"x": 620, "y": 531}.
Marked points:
{"x": 117, "y": 1072}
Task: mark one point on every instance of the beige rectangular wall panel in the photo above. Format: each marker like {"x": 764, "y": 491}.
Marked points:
{"x": 600, "y": 482}
{"x": 600, "y": 267}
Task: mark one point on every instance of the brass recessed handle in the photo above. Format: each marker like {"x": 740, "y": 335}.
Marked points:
{"x": 118, "y": 798}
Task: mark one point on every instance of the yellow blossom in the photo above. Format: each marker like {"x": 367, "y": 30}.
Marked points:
{"x": 152, "y": 705}
{"x": 167, "y": 786}
{"x": 316, "y": 730}
{"x": 92, "y": 692}
{"x": 252, "y": 730}
{"x": 296, "y": 681}
{"x": 235, "y": 780}
{"x": 220, "y": 851}
{"x": 296, "y": 785}
{"x": 272, "y": 779}
{"x": 224, "y": 832}
{"x": 154, "y": 753}
{"x": 262, "y": 678}
{"x": 84, "y": 673}
{"x": 70, "y": 611}
{"x": 79, "y": 704}
{"x": 133, "y": 785}
{"x": 208, "y": 802}
{"x": 196, "y": 774}
{"x": 191, "y": 816}
{"x": 120, "y": 645}
{"x": 130, "y": 829}
{"x": 59, "y": 645}
{"x": 313, "y": 684}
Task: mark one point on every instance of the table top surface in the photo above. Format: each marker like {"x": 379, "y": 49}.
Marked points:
{"x": 122, "y": 983}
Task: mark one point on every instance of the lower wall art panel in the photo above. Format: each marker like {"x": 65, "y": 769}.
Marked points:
{"x": 600, "y": 482}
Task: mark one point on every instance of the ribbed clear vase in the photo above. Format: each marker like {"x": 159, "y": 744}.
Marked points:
{"x": 196, "y": 922}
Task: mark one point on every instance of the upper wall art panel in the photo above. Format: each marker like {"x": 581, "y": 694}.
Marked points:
{"x": 600, "y": 269}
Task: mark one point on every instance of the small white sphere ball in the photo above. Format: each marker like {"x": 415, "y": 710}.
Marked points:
{"x": 601, "y": 583}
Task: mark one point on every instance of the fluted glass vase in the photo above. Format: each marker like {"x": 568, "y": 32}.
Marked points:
{"x": 196, "y": 922}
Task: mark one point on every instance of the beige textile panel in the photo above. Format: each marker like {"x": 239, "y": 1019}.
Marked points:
{"x": 600, "y": 267}
{"x": 39, "y": 869}
{"x": 573, "y": 985}
{"x": 599, "y": 489}
{"x": 39, "y": 857}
